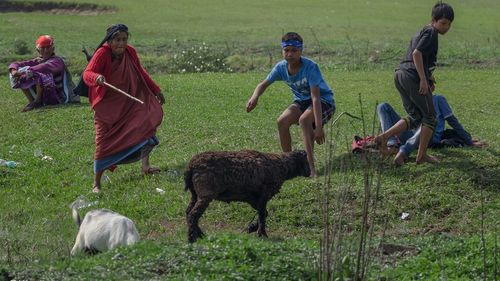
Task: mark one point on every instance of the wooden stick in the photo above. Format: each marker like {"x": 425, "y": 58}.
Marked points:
{"x": 123, "y": 92}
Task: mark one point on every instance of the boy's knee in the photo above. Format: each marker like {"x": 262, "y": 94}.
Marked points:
{"x": 282, "y": 123}
{"x": 429, "y": 121}
{"x": 305, "y": 120}
{"x": 440, "y": 98}
{"x": 383, "y": 107}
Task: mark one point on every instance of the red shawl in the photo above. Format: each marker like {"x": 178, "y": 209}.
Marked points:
{"x": 100, "y": 64}
{"x": 121, "y": 122}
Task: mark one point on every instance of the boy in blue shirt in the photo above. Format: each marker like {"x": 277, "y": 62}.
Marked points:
{"x": 313, "y": 104}
{"x": 414, "y": 81}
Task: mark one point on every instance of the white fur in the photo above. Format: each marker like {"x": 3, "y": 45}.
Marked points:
{"x": 103, "y": 230}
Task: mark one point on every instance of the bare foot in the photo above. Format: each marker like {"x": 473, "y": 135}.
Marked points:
{"x": 313, "y": 174}
{"x": 428, "y": 159}
{"x": 96, "y": 189}
{"x": 150, "y": 170}
{"x": 400, "y": 159}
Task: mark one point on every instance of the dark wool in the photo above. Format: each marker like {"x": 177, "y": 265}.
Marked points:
{"x": 247, "y": 176}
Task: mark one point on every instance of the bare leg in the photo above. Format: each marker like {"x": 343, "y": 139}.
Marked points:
{"x": 289, "y": 117}
{"x": 28, "y": 95}
{"x": 97, "y": 182}
{"x": 400, "y": 159}
{"x": 381, "y": 139}
{"x": 34, "y": 102}
{"x": 425, "y": 137}
{"x": 306, "y": 121}
{"x": 39, "y": 93}
{"x": 146, "y": 168}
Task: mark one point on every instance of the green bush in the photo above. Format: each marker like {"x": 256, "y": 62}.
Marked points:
{"x": 200, "y": 58}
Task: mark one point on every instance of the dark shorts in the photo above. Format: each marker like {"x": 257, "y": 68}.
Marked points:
{"x": 420, "y": 108}
{"x": 327, "y": 110}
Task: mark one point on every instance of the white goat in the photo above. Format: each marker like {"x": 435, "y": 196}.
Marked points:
{"x": 103, "y": 230}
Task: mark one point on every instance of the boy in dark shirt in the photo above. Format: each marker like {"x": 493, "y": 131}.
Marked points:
{"x": 415, "y": 83}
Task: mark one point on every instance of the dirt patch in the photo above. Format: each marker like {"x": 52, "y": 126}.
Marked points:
{"x": 54, "y": 7}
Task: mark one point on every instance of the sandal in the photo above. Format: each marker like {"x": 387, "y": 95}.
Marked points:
{"x": 96, "y": 189}
{"x": 32, "y": 106}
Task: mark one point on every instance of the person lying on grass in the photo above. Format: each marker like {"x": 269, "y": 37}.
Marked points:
{"x": 313, "y": 104}
{"x": 408, "y": 141}
{"x": 125, "y": 129}
{"x": 42, "y": 78}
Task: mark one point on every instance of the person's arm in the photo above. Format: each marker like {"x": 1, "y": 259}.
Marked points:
{"x": 259, "y": 90}
{"x": 93, "y": 73}
{"x": 462, "y": 133}
{"x": 51, "y": 66}
{"x": 419, "y": 65}
{"x": 319, "y": 134}
{"x": 13, "y": 67}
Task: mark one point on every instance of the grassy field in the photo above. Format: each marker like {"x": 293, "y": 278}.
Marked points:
{"x": 205, "y": 111}
{"x": 341, "y": 34}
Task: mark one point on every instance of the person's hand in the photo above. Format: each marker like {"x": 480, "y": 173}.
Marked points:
{"x": 319, "y": 135}
{"x": 100, "y": 80}
{"x": 433, "y": 88}
{"x": 252, "y": 103}
{"x": 424, "y": 87}
{"x": 160, "y": 98}
{"x": 15, "y": 73}
{"x": 479, "y": 143}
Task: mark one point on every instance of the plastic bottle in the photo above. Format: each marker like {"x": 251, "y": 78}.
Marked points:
{"x": 10, "y": 164}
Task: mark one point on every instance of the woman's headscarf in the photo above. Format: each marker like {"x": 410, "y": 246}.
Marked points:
{"x": 111, "y": 31}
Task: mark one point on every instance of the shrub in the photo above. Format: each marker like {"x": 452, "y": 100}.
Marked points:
{"x": 21, "y": 47}
{"x": 200, "y": 59}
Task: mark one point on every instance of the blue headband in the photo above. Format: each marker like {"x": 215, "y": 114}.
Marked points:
{"x": 294, "y": 43}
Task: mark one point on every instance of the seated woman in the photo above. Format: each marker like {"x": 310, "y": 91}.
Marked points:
{"x": 42, "y": 79}
{"x": 125, "y": 129}
{"x": 408, "y": 141}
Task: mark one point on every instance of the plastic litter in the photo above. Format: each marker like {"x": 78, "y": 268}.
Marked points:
{"x": 8, "y": 163}
{"x": 82, "y": 202}
{"x": 161, "y": 191}
{"x": 405, "y": 215}
{"x": 47, "y": 158}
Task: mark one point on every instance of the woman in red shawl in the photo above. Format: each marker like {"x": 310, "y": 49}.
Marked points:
{"x": 125, "y": 129}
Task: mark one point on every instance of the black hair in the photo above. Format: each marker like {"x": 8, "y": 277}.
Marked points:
{"x": 292, "y": 36}
{"x": 442, "y": 10}
{"x": 112, "y": 31}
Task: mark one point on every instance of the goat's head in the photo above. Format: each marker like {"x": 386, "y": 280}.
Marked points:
{"x": 300, "y": 163}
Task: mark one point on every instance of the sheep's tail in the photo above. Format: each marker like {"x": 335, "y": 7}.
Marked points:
{"x": 188, "y": 180}
{"x": 76, "y": 216}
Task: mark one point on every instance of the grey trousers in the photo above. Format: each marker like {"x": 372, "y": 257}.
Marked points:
{"x": 420, "y": 108}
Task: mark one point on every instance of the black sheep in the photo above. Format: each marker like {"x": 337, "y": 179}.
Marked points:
{"x": 247, "y": 176}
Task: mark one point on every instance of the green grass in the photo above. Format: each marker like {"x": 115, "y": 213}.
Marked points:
{"x": 207, "y": 112}
{"x": 341, "y": 34}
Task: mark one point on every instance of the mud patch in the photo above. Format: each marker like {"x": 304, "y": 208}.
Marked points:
{"x": 54, "y": 7}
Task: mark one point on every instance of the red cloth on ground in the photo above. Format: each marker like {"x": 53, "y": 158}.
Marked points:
{"x": 121, "y": 122}
{"x": 100, "y": 64}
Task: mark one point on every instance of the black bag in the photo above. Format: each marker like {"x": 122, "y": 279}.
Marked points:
{"x": 82, "y": 89}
